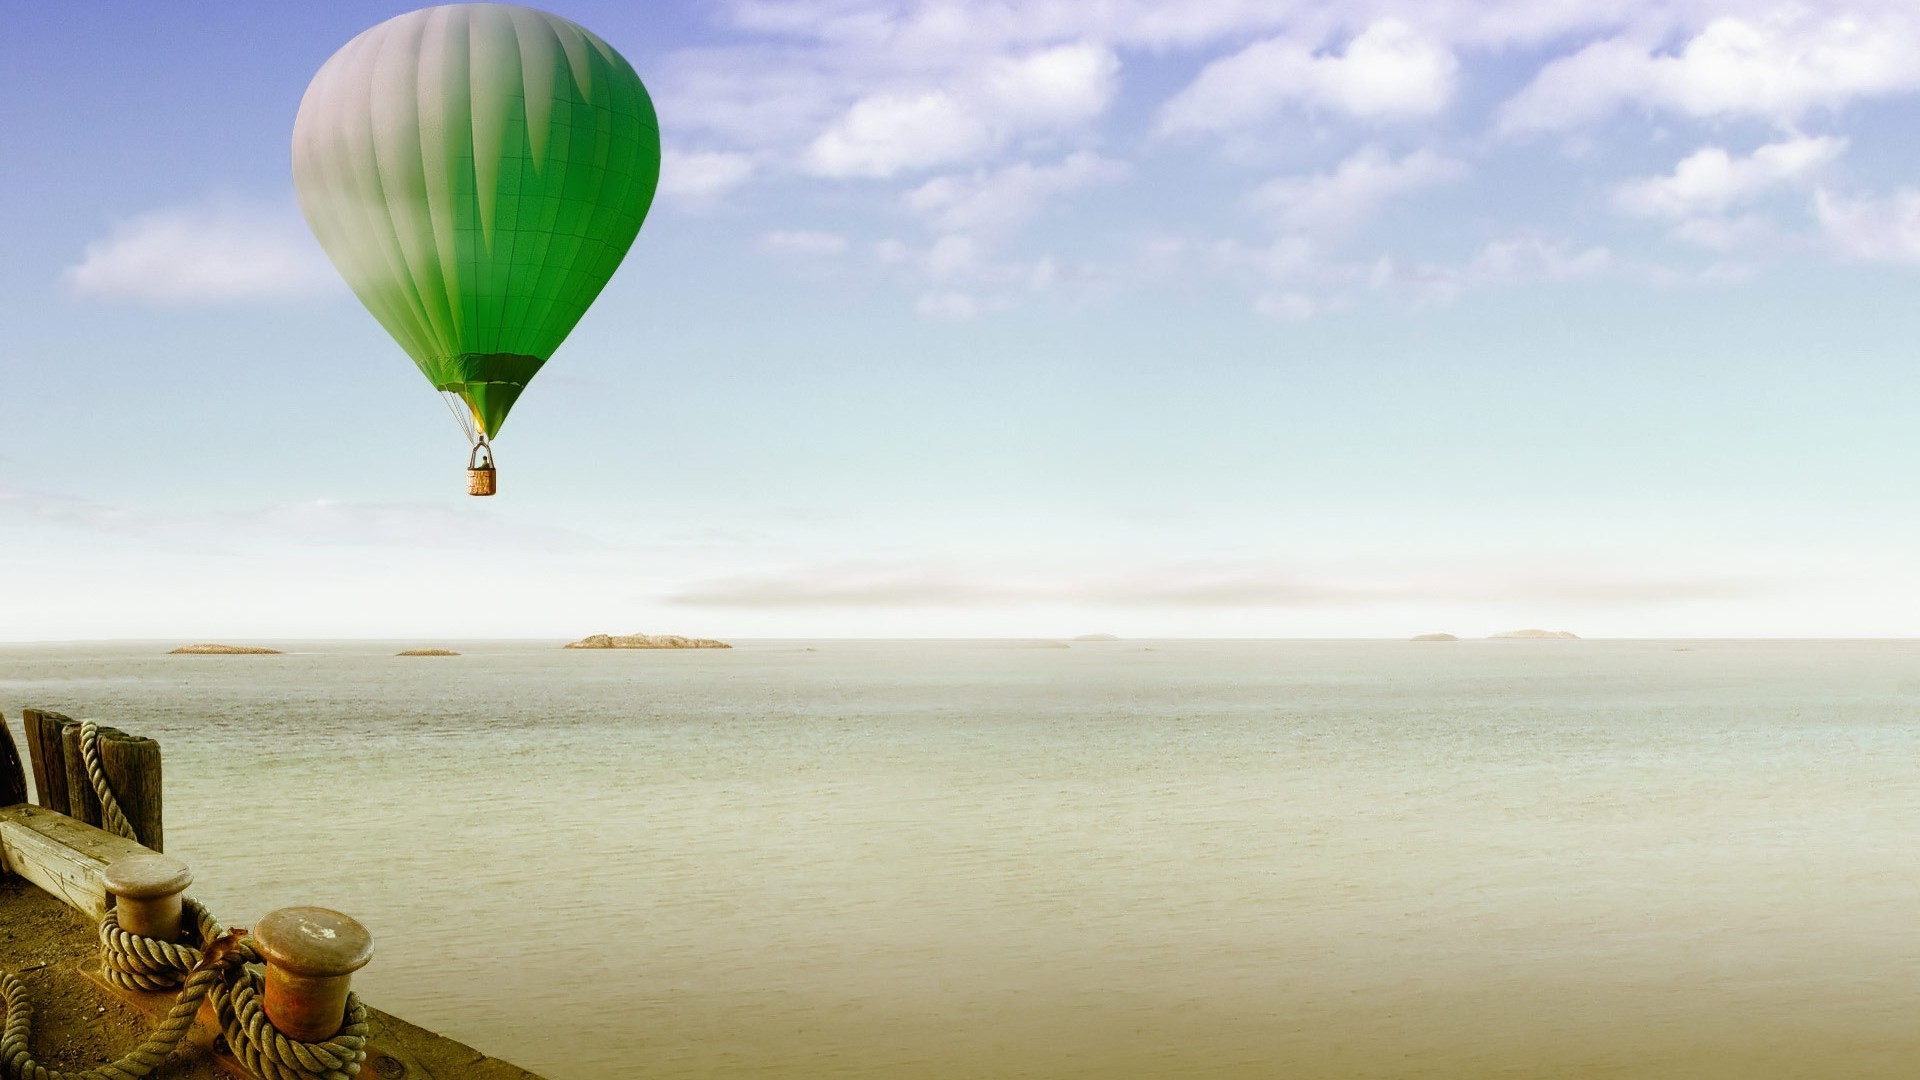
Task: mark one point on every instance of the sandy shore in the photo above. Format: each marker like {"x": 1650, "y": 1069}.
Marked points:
{"x": 76, "y": 1025}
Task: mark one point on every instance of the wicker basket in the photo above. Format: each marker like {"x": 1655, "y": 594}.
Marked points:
{"x": 480, "y": 477}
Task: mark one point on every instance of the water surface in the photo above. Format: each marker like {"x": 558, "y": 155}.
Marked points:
{"x": 1129, "y": 859}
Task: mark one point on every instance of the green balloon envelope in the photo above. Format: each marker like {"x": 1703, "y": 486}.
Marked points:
{"x": 476, "y": 172}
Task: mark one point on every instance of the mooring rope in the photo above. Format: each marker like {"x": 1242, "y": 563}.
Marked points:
{"x": 272, "y": 1056}
{"x": 19, "y": 1062}
{"x": 218, "y": 966}
{"x": 217, "y": 969}
{"x": 134, "y": 962}
{"x": 114, "y": 819}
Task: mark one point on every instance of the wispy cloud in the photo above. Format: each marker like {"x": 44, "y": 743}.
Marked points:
{"x": 1354, "y": 189}
{"x": 1775, "y": 66}
{"x": 1000, "y": 198}
{"x": 908, "y": 128}
{"x": 1388, "y": 71}
{"x": 409, "y": 525}
{"x": 1194, "y": 586}
{"x": 804, "y": 242}
{"x": 55, "y": 509}
{"x": 1710, "y": 180}
{"x": 317, "y": 522}
{"x": 1868, "y": 228}
{"x": 221, "y": 253}
{"x": 980, "y": 116}
{"x": 699, "y": 178}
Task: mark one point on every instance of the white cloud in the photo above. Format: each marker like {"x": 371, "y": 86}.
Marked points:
{"x": 1390, "y": 71}
{"x": 701, "y": 176}
{"x": 1710, "y": 180}
{"x": 1354, "y": 189}
{"x": 804, "y": 242}
{"x": 949, "y": 304}
{"x": 749, "y": 95}
{"x": 1776, "y": 67}
{"x": 887, "y": 133}
{"x": 1868, "y": 229}
{"x": 893, "y": 131}
{"x": 210, "y": 254}
{"x": 919, "y": 32}
{"x": 1061, "y": 86}
{"x": 991, "y": 199}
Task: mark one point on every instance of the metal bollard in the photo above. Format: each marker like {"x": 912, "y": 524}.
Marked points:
{"x": 146, "y": 890}
{"x": 311, "y": 953}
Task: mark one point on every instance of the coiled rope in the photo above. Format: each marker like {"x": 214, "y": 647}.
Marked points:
{"x": 19, "y": 1062}
{"x": 220, "y": 969}
{"x": 272, "y": 1056}
{"x": 218, "y": 966}
{"x": 133, "y": 962}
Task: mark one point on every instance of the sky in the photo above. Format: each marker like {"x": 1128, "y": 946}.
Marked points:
{"x": 956, "y": 318}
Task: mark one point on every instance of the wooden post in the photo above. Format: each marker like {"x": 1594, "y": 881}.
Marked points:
{"x": 49, "y": 758}
{"x": 13, "y": 779}
{"x": 36, "y": 758}
{"x": 82, "y": 803}
{"x": 132, "y": 764}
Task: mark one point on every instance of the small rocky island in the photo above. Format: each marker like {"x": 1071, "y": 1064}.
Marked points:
{"x": 646, "y": 641}
{"x": 1097, "y": 637}
{"x": 223, "y": 650}
{"x": 426, "y": 652}
{"x": 1435, "y": 637}
{"x": 1557, "y": 635}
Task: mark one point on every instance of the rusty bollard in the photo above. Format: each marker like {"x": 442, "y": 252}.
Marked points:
{"x": 146, "y": 890}
{"x": 311, "y": 954}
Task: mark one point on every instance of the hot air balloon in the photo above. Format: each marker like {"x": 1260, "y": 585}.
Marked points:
{"x": 476, "y": 172}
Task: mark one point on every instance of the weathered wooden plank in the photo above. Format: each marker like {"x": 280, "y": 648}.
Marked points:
{"x": 49, "y": 759}
{"x": 61, "y": 855}
{"x": 132, "y": 765}
{"x": 36, "y": 755}
{"x": 82, "y": 803}
{"x": 13, "y": 777}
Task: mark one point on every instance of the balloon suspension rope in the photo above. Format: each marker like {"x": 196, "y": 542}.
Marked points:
{"x": 463, "y": 417}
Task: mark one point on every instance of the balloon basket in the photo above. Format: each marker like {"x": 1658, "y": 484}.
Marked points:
{"x": 481, "y": 479}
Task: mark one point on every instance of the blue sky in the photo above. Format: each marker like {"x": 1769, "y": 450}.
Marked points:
{"x": 1222, "y": 317}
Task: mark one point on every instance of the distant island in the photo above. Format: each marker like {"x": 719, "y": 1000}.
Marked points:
{"x": 646, "y": 641}
{"x": 223, "y": 650}
{"x": 1556, "y": 634}
{"x": 1435, "y": 637}
{"x": 426, "y": 652}
{"x": 1096, "y": 637}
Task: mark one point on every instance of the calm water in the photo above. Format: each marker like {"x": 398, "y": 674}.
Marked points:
{"x": 990, "y": 860}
